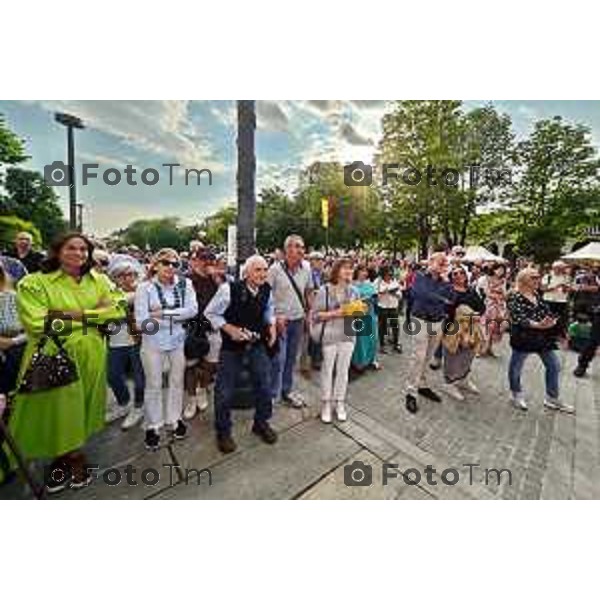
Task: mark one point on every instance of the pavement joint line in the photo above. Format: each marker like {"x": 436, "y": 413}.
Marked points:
{"x": 367, "y": 448}
{"x": 327, "y": 473}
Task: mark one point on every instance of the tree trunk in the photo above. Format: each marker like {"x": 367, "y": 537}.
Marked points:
{"x": 246, "y": 171}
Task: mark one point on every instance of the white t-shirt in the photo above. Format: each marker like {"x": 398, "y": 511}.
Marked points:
{"x": 557, "y": 294}
{"x": 388, "y": 293}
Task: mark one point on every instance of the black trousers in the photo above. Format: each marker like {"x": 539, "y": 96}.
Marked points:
{"x": 587, "y": 354}
{"x": 561, "y": 311}
{"x": 388, "y": 319}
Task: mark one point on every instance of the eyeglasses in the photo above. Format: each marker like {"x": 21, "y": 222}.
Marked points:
{"x": 170, "y": 263}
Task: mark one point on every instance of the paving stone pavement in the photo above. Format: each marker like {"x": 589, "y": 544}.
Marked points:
{"x": 549, "y": 455}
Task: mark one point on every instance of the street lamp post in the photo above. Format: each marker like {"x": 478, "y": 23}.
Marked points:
{"x": 71, "y": 122}
{"x": 246, "y": 173}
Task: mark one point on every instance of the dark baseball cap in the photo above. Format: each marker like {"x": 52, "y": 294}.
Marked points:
{"x": 203, "y": 254}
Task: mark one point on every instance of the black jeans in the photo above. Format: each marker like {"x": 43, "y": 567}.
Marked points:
{"x": 587, "y": 354}
{"x": 561, "y": 311}
{"x": 10, "y": 364}
{"x": 388, "y": 319}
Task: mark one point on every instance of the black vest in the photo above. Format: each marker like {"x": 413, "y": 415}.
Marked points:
{"x": 245, "y": 310}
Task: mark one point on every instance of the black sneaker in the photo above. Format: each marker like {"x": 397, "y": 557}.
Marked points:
{"x": 429, "y": 394}
{"x": 435, "y": 364}
{"x": 58, "y": 477}
{"x": 152, "y": 440}
{"x": 265, "y": 432}
{"x": 579, "y": 371}
{"x": 398, "y": 348}
{"x": 411, "y": 404}
{"x": 180, "y": 430}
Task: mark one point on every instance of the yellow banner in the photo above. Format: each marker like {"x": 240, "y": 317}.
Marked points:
{"x": 325, "y": 212}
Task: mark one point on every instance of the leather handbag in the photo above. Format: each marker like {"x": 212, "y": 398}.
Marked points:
{"x": 47, "y": 372}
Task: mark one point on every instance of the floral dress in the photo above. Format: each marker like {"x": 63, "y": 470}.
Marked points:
{"x": 495, "y": 318}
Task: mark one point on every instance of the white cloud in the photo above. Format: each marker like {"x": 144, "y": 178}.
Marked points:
{"x": 271, "y": 116}
{"x": 161, "y": 127}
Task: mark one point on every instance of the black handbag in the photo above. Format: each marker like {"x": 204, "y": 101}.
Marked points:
{"x": 47, "y": 372}
{"x": 196, "y": 343}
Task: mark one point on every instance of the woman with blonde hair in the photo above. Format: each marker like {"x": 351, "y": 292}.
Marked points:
{"x": 533, "y": 331}
{"x": 334, "y": 302}
{"x": 461, "y": 341}
{"x": 162, "y": 304}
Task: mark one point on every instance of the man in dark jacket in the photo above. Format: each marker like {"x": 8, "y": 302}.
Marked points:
{"x": 431, "y": 297}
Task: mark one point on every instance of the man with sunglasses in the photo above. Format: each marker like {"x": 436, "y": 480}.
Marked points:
{"x": 292, "y": 285}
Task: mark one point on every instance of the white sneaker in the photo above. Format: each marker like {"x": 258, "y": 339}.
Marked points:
{"x": 189, "y": 412}
{"x": 469, "y": 386}
{"x": 518, "y": 401}
{"x": 134, "y": 416}
{"x": 326, "y": 416}
{"x": 202, "y": 400}
{"x": 556, "y": 404}
{"x": 453, "y": 391}
{"x": 294, "y": 399}
{"x": 340, "y": 411}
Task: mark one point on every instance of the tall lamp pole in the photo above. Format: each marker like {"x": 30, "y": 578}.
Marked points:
{"x": 71, "y": 122}
{"x": 246, "y": 173}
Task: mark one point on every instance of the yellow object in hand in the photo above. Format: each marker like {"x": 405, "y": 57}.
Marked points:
{"x": 354, "y": 307}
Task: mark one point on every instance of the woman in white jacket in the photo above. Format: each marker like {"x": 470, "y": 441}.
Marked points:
{"x": 162, "y": 305}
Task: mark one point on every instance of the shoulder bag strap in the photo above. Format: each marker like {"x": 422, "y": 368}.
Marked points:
{"x": 294, "y": 285}
{"x": 327, "y": 309}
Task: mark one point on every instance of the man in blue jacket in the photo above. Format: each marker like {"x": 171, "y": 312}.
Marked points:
{"x": 431, "y": 297}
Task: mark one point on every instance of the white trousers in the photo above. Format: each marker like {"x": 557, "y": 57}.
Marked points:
{"x": 424, "y": 344}
{"x": 335, "y": 356}
{"x": 156, "y": 362}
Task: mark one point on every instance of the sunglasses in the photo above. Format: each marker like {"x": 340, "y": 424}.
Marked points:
{"x": 170, "y": 263}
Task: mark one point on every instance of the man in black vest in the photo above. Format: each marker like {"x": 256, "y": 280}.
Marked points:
{"x": 243, "y": 312}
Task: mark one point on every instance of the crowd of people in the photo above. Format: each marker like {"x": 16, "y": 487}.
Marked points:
{"x": 169, "y": 334}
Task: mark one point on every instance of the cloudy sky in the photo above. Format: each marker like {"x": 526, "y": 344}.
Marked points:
{"x": 201, "y": 134}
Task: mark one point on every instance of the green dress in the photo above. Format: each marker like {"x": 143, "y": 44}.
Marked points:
{"x": 50, "y": 423}
{"x": 365, "y": 350}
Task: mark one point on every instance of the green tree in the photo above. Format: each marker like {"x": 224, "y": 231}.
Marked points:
{"x": 155, "y": 233}
{"x": 11, "y": 225}
{"x": 215, "y": 226}
{"x": 418, "y": 134}
{"x": 557, "y": 190}
{"x": 455, "y": 155}
{"x": 12, "y": 150}
{"x": 29, "y": 198}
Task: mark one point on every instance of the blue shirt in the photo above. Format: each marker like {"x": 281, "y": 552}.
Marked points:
{"x": 14, "y": 268}
{"x": 170, "y": 333}
{"x": 431, "y": 298}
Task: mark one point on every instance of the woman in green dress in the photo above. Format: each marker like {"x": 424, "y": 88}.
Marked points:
{"x": 365, "y": 350}
{"x": 56, "y": 423}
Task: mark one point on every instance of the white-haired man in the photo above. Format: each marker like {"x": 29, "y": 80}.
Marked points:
{"x": 431, "y": 297}
{"x": 23, "y": 251}
{"x": 243, "y": 312}
{"x": 292, "y": 283}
